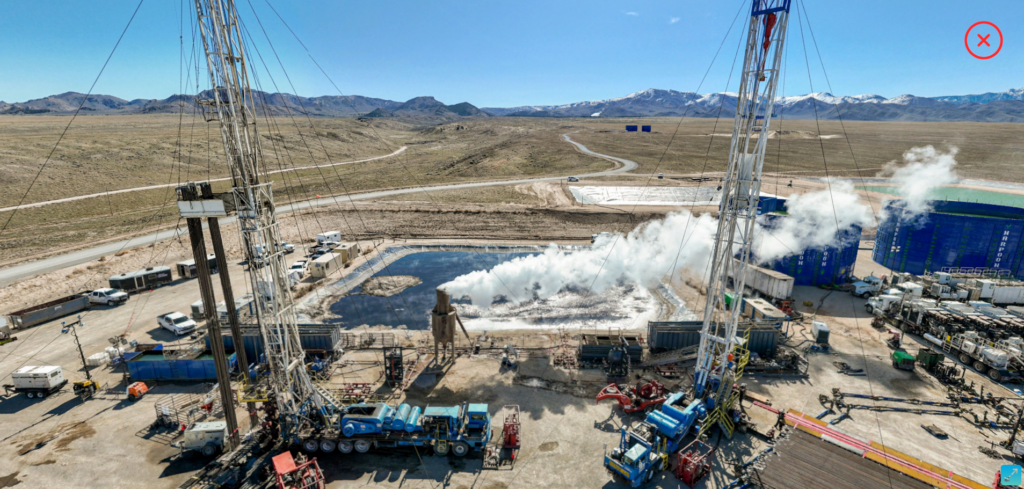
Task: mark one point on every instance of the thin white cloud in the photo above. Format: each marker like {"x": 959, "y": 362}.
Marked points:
{"x": 634, "y": 14}
{"x": 673, "y": 20}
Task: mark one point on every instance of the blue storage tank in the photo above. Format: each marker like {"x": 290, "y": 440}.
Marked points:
{"x": 952, "y": 235}
{"x": 820, "y": 266}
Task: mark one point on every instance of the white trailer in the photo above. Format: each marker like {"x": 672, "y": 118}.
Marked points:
{"x": 328, "y": 236}
{"x": 36, "y": 381}
{"x": 1003, "y": 294}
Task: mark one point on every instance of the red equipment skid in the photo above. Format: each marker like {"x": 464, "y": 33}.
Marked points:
{"x": 693, "y": 463}
{"x": 305, "y": 475}
{"x": 646, "y": 395}
{"x": 510, "y": 429}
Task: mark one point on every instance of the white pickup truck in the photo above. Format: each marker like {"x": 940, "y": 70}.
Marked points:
{"x": 867, "y": 286}
{"x": 176, "y": 323}
{"x": 107, "y": 297}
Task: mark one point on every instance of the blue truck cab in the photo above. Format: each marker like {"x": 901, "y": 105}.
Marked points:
{"x": 644, "y": 450}
{"x": 636, "y": 459}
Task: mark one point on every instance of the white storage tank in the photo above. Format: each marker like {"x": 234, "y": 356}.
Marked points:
{"x": 38, "y": 377}
{"x": 995, "y": 357}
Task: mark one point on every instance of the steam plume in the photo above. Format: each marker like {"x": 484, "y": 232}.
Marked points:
{"x": 648, "y": 254}
{"x": 814, "y": 220}
{"x": 923, "y": 170}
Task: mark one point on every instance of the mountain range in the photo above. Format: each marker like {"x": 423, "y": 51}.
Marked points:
{"x": 1007, "y": 106}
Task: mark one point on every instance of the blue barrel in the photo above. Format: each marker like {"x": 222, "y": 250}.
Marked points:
{"x": 412, "y": 422}
{"x": 398, "y": 423}
{"x": 665, "y": 424}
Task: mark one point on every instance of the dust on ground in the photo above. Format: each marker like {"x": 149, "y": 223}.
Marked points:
{"x": 389, "y": 285}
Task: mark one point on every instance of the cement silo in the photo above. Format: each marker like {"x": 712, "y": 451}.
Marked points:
{"x": 953, "y": 235}
{"x": 832, "y": 264}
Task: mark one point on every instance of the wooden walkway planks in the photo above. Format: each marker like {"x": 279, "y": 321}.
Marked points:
{"x": 804, "y": 462}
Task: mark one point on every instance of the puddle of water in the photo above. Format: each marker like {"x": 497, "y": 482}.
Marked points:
{"x": 412, "y": 307}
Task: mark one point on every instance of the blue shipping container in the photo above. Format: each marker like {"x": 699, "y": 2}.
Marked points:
{"x": 645, "y": 128}
{"x": 952, "y": 235}
{"x": 820, "y": 266}
{"x": 630, "y": 128}
{"x": 319, "y": 339}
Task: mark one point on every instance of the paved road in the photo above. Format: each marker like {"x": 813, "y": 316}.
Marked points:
{"x": 165, "y": 185}
{"x": 11, "y": 274}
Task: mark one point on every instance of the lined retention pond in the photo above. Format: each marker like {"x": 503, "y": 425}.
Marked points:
{"x": 625, "y": 306}
{"x": 959, "y": 194}
{"x": 412, "y": 306}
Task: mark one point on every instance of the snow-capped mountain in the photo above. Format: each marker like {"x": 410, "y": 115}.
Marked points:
{"x": 1005, "y": 106}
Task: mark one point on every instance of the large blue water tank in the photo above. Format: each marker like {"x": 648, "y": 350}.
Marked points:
{"x": 953, "y": 235}
{"x": 832, "y": 264}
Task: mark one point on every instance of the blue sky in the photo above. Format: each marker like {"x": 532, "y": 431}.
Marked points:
{"x": 496, "y": 54}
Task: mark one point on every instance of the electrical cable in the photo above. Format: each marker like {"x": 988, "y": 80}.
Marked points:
{"x": 828, "y": 182}
{"x": 85, "y": 98}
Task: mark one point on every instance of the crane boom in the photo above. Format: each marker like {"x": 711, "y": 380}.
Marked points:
{"x": 233, "y": 106}
{"x": 716, "y": 366}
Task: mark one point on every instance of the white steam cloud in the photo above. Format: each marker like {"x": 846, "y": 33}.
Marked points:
{"x": 644, "y": 256}
{"x": 812, "y": 222}
{"x": 923, "y": 170}
{"x": 652, "y": 252}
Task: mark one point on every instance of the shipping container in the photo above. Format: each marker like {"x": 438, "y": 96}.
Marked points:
{"x": 832, "y": 264}
{"x": 630, "y": 128}
{"x": 664, "y": 336}
{"x": 187, "y": 268}
{"x": 26, "y": 318}
{"x": 645, "y": 128}
{"x": 954, "y": 235}
{"x": 149, "y": 278}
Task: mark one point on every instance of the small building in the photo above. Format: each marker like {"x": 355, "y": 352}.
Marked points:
{"x": 348, "y": 252}
{"x": 326, "y": 265}
{"x": 149, "y": 278}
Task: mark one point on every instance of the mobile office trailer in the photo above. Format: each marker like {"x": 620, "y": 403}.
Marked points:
{"x": 348, "y": 252}
{"x": 149, "y": 278}
{"x": 328, "y": 236}
{"x": 26, "y": 318}
{"x": 326, "y": 265}
{"x": 187, "y": 268}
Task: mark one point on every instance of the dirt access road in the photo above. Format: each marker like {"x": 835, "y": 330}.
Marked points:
{"x": 11, "y": 274}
